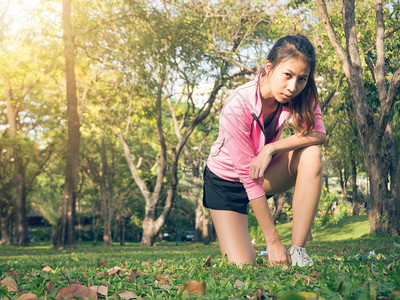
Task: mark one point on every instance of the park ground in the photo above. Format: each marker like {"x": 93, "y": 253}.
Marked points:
{"x": 349, "y": 264}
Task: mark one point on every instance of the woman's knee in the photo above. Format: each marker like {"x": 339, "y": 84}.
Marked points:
{"x": 309, "y": 158}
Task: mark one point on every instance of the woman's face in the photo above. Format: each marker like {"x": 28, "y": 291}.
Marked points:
{"x": 287, "y": 80}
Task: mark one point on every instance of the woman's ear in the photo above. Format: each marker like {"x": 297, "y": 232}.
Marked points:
{"x": 267, "y": 67}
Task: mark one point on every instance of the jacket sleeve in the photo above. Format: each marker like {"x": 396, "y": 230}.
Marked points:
{"x": 319, "y": 124}
{"x": 236, "y": 125}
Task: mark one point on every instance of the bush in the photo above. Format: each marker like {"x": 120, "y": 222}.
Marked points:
{"x": 40, "y": 234}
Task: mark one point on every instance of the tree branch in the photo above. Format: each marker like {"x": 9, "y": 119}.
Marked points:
{"x": 139, "y": 181}
{"x": 379, "y": 70}
{"x": 337, "y": 46}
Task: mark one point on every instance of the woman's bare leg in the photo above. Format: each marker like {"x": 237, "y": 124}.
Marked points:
{"x": 307, "y": 193}
{"x": 233, "y": 236}
{"x": 303, "y": 169}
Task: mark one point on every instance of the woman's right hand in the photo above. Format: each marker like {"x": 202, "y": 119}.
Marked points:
{"x": 278, "y": 254}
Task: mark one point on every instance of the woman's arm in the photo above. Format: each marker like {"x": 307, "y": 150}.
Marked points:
{"x": 293, "y": 142}
{"x": 277, "y": 252}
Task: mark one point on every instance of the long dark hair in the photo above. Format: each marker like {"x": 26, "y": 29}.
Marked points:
{"x": 304, "y": 104}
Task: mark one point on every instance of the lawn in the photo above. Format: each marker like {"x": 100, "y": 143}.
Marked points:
{"x": 343, "y": 270}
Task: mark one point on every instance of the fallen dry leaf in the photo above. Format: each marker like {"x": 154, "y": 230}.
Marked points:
{"x": 158, "y": 263}
{"x": 10, "y": 283}
{"x": 100, "y": 289}
{"x": 239, "y": 283}
{"x": 133, "y": 274}
{"x": 48, "y": 269}
{"x": 12, "y": 273}
{"x": 315, "y": 273}
{"x": 309, "y": 278}
{"x": 340, "y": 285}
{"x": 259, "y": 294}
{"x": 162, "y": 278}
{"x": 126, "y": 294}
{"x": 194, "y": 288}
{"x": 207, "y": 263}
{"x": 102, "y": 262}
{"x": 27, "y": 296}
{"x": 49, "y": 287}
{"x": 115, "y": 270}
{"x": 76, "y": 290}
{"x": 310, "y": 296}
{"x": 285, "y": 267}
{"x": 389, "y": 266}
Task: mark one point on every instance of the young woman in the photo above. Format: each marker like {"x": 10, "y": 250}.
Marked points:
{"x": 248, "y": 161}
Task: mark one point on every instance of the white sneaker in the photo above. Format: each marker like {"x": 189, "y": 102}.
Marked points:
{"x": 299, "y": 257}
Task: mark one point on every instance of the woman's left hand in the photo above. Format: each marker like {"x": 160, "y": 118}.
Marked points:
{"x": 260, "y": 164}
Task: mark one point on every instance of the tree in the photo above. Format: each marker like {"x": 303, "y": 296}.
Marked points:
{"x": 24, "y": 151}
{"x": 67, "y": 226}
{"x": 184, "y": 41}
{"x": 374, "y": 131}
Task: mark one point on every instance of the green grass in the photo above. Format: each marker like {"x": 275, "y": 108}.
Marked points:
{"x": 354, "y": 227}
{"x": 341, "y": 271}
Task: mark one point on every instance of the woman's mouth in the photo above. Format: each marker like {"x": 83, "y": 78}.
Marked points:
{"x": 287, "y": 96}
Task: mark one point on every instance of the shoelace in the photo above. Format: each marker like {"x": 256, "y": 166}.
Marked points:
{"x": 303, "y": 254}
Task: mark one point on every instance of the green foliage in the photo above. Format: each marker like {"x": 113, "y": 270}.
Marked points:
{"x": 342, "y": 270}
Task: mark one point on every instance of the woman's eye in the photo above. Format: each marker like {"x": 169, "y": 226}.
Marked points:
{"x": 288, "y": 75}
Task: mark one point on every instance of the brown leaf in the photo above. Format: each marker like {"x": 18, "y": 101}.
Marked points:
{"x": 115, "y": 270}
{"x": 259, "y": 294}
{"x": 161, "y": 278}
{"x": 10, "y": 283}
{"x": 339, "y": 258}
{"x": 27, "y": 296}
{"x": 133, "y": 274}
{"x": 315, "y": 273}
{"x": 207, "y": 263}
{"x": 239, "y": 283}
{"x": 125, "y": 294}
{"x": 49, "y": 287}
{"x": 389, "y": 266}
{"x": 194, "y": 288}
{"x": 285, "y": 267}
{"x": 12, "y": 273}
{"x": 309, "y": 278}
{"x": 76, "y": 290}
{"x": 48, "y": 269}
{"x": 157, "y": 263}
{"x": 100, "y": 289}
{"x": 102, "y": 262}
{"x": 340, "y": 285}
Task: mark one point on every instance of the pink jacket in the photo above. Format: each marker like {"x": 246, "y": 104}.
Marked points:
{"x": 240, "y": 138}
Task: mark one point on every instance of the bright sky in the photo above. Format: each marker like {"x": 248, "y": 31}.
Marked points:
{"x": 18, "y": 12}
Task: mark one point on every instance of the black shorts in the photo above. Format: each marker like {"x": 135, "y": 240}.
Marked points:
{"x": 221, "y": 194}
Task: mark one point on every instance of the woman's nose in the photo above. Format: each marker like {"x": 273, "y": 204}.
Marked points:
{"x": 292, "y": 85}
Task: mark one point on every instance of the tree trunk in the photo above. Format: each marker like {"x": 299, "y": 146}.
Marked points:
{"x": 343, "y": 184}
{"x": 326, "y": 180}
{"x": 202, "y": 224}
{"x": 5, "y": 227}
{"x": 384, "y": 207}
{"x": 198, "y": 222}
{"x": 122, "y": 232}
{"x": 152, "y": 224}
{"x": 20, "y": 223}
{"x": 356, "y": 210}
{"x": 279, "y": 201}
{"x": 67, "y": 226}
{"x": 20, "y": 203}
{"x": 107, "y": 235}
